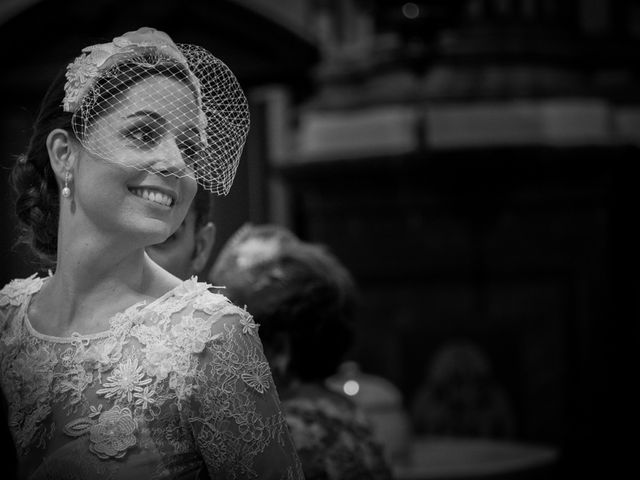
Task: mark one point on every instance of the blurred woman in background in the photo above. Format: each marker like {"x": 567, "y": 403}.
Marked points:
{"x": 303, "y": 300}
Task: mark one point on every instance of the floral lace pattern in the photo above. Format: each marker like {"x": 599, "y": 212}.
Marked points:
{"x": 82, "y": 72}
{"x": 113, "y": 433}
{"x": 173, "y": 387}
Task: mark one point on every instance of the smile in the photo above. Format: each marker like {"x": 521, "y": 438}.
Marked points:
{"x": 154, "y": 196}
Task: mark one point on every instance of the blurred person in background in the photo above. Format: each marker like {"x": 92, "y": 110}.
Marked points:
{"x": 186, "y": 252}
{"x": 303, "y": 300}
{"x": 460, "y": 396}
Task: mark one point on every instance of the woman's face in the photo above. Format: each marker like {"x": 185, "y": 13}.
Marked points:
{"x": 142, "y": 184}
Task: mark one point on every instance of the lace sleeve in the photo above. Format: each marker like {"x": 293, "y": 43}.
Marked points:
{"x": 234, "y": 411}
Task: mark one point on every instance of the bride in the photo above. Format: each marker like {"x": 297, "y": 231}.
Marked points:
{"x": 111, "y": 366}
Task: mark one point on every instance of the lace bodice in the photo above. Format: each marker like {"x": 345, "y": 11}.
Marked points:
{"x": 174, "y": 388}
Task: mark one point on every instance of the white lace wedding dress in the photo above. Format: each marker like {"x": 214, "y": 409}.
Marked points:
{"x": 174, "y": 389}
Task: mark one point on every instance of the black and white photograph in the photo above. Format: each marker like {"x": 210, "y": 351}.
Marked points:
{"x": 319, "y": 239}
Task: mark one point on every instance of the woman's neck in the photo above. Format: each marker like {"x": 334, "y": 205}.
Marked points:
{"x": 92, "y": 282}
{"x": 88, "y": 268}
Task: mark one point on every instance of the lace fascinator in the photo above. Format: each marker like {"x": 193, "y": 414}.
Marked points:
{"x": 99, "y": 79}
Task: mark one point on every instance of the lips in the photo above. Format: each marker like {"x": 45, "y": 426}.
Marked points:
{"x": 154, "y": 195}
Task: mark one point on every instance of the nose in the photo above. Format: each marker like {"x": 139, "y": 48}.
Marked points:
{"x": 169, "y": 158}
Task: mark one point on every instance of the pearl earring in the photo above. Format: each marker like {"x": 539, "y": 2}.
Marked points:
{"x": 66, "y": 191}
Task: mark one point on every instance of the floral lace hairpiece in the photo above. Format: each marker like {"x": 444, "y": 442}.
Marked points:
{"x": 86, "y": 68}
{"x": 209, "y": 134}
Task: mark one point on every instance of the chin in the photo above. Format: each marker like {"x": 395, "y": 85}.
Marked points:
{"x": 151, "y": 232}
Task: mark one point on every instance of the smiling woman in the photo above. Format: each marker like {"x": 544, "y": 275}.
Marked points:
{"x": 142, "y": 141}
{"x": 111, "y": 366}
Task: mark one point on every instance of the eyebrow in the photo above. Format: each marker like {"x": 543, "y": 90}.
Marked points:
{"x": 149, "y": 113}
{"x": 156, "y": 116}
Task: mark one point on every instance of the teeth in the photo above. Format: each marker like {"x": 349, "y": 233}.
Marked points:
{"x": 153, "y": 196}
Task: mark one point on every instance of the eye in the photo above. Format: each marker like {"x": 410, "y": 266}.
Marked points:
{"x": 144, "y": 135}
{"x": 191, "y": 147}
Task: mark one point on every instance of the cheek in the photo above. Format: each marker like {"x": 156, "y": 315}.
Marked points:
{"x": 99, "y": 184}
{"x": 189, "y": 187}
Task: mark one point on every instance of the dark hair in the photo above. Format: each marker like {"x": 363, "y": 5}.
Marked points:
{"x": 303, "y": 293}
{"x": 32, "y": 178}
{"x": 314, "y": 305}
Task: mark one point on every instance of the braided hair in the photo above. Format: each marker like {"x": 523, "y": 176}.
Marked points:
{"x": 34, "y": 181}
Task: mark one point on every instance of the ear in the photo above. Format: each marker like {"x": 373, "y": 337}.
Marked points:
{"x": 62, "y": 152}
{"x": 205, "y": 237}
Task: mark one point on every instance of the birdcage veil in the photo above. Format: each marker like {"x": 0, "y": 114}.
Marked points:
{"x": 209, "y": 135}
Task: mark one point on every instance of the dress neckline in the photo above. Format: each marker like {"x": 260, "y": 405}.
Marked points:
{"x": 75, "y": 336}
